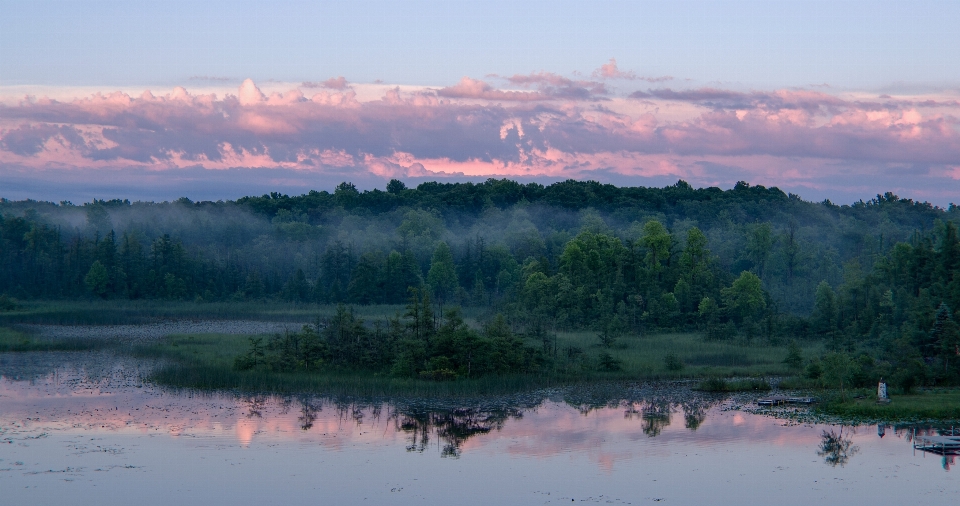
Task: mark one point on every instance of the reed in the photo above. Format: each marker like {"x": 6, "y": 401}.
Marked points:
{"x": 14, "y": 341}
{"x": 741, "y": 385}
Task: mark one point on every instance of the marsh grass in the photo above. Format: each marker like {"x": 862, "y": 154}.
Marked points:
{"x": 129, "y": 312}
{"x": 15, "y": 341}
{"x": 742, "y": 385}
{"x": 926, "y": 405}
{"x": 800, "y": 383}
{"x": 645, "y": 357}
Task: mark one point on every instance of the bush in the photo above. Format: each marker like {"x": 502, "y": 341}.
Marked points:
{"x": 673, "y": 362}
{"x": 713, "y": 385}
{"x": 814, "y": 370}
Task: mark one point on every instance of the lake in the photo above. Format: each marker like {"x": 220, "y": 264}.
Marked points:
{"x": 85, "y": 428}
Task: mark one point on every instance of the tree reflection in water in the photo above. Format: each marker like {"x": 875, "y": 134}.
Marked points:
{"x": 308, "y": 412}
{"x": 836, "y": 449}
{"x": 452, "y": 426}
{"x": 255, "y": 406}
{"x": 694, "y": 413}
{"x": 655, "y": 418}
{"x": 655, "y": 414}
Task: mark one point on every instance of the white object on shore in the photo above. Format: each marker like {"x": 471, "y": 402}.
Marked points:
{"x": 882, "y": 390}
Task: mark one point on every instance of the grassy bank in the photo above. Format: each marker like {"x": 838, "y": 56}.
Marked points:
{"x": 923, "y": 405}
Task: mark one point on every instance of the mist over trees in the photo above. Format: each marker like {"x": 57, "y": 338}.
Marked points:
{"x": 752, "y": 262}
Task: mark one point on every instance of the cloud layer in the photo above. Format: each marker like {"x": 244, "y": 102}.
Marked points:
{"x": 538, "y": 125}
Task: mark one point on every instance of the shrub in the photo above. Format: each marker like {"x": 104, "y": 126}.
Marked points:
{"x": 673, "y": 362}
{"x": 713, "y": 385}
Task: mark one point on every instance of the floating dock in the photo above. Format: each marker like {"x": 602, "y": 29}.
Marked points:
{"x": 780, "y": 400}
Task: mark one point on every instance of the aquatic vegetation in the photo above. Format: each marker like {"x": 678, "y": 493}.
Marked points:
{"x": 737, "y": 385}
{"x": 14, "y": 341}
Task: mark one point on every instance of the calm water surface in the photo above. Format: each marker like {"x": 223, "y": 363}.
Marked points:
{"x": 85, "y": 429}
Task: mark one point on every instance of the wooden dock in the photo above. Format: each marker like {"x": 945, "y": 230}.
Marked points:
{"x": 941, "y": 445}
{"x": 780, "y": 400}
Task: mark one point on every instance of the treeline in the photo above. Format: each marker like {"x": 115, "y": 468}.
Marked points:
{"x": 752, "y": 262}
{"x": 895, "y": 320}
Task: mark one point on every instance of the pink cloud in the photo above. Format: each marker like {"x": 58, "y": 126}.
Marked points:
{"x": 782, "y": 137}
{"x": 610, "y": 70}
{"x": 249, "y": 93}
{"x": 334, "y": 83}
{"x": 475, "y": 88}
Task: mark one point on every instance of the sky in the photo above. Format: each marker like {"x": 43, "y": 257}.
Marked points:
{"x": 219, "y": 99}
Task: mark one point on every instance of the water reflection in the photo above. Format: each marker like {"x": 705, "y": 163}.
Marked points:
{"x": 836, "y": 449}
{"x": 453, "y": 427}
{"x": 75, "y": 434}
{"x": 308, "y": 413}
{"x": 63, "y": 392}
{"x": 694, "y": 413}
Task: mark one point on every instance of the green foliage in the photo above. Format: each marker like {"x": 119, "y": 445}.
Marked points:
{"x": 794, "y": 358}
{"x": 930, "y": 405}
{"x": 607, "y": 363}
{"x": 749, "y": 264}
{"x": 442, "y": 276}
{"x": 759, "y": 244}
{"x": 97, "y": 280}
{"x": 210, "y": 361}
{"x": 744, "y": 299}
{"x": 287, "y": 352}
{"x": 946, "y": 335}
{"x": 413, "y": 348}
{"x": 713, "y": 385}
{"x": 824, "y": 315}
{"x": 657, "y": 241}
{"x": 838, "y": 370}
{"x": 672, "y": 362}
{"x": 611, "y": 328}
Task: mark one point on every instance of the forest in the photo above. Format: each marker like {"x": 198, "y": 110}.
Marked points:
{"x": 876, "y": 281}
